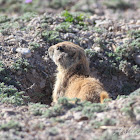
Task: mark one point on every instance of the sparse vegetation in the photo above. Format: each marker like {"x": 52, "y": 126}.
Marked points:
{"x": 4, "y": 19}
{"x": 21, "y": 65}
{"x": 128, "y": 109}
{"x": 63, "y": 27}
{"x": 37, "y": 109}
{"x": 34, "y": 46}
{"x": 74, "y": 18}
{"x": 89, "y": 109}
{"x": 105, "y": 122}
{"x": 51, "y": 36}
{"x": 27, "y": 16}
{"x": 7, "y": 24}
{"x": 10, "y": 125}
{"x": 118, "y": 4}
{"x": 5, "y": 76}
{"x": 9, "y": 94}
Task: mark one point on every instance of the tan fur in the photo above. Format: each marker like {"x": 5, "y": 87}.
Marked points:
{"x": 72, "y": 79}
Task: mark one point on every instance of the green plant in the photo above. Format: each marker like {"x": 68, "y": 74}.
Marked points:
{"x": 90, "y": 53}
{"x": 9, "y": 90}
{"x": 121, "y": 96}
{"x": 108, "y": 122}
{"x": 135, "y": 34}
{"x": 2, "y": 69}
{"x": 28, "y": 16}
{"x": 4, "y": 19}
{"x": 136, "y": 92}
{"x": 65, "y": 102}
{"x": 38, "y": 126}
{"x": 130, "y": 48}
{"x": 57, "y": 120}
{"x": 5, "y": 76}
{"x": 34, "y": 45}
{"x": 105, "y": 122}
{"x": 7, "y": 24}
{"x": 128, "y": 110}
{"x": 51, "y": 36}
{"x": 96, "y": 124}
{"x": 20, "y": 7}
{"x": 59, "y": 108}
{"x": 9, "y": 94}
{"x": 63, "y": 27}
{"x": 21, "y": 65}
{"x": 90, "y": 108}
{"x": 11, "y": 125}
{"x": 53, "y": 131}
{"x": 109, "y": 136}
{"x": 99, "y": 30}
{"x": 37, "y": 109}
{"x": 55, "y": 111}
{"x": 101, "y": 42}
{"x": 77, "y": 18}
{"x": 68, "y": 17}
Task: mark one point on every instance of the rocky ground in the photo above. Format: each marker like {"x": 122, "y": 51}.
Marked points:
{"x": 109, "y": 31}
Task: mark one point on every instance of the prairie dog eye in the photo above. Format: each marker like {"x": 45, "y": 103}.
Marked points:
{"x": 60, "y": 48}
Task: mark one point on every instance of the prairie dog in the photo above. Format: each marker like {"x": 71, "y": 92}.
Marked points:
{"x": 72, "y": 78}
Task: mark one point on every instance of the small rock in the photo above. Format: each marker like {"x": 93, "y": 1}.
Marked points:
{"x": 125, "y": 40}
{"x": 123, "y": 28}
{"x": 94, "y": 17}
{"x": 137, "y": 113}
{"x": 0, "y": 48}
{"x": 19, "y": 72}
{"x": 105, "y": 23}
{"x": 137, "y": 59}
{"x": 24, "y": 51}
{"x": 132, "y": 21}
{"x": 13, "y": 50}
{"x": 97, "y": 49}
{"x": 34, "y": 72}
{"x": 111, "y": 28}
{"x": 138, "y": 22}
{"x": 42, "y": 84}
{"x": 7, "y": 112}
{"x": 133, "y": 26}
{"x": 77, "y": 115}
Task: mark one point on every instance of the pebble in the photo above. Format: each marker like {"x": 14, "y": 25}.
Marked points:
{"x": 77, "y": 115}
{"x": 136, "y": 112}
{"x": 138, "y": 22}
{"x": 42, "y": 84}
{"x": 125, "y": 40}
{"x": 97, "y": 49}
{"x": 137, "y": 59}
{"x": 13, "y": 50}
{"x": 24, "y": 51}
{"x": 105, "y": 23}
{"x": 19, "y": 72}
{"x": 0, "y": 48}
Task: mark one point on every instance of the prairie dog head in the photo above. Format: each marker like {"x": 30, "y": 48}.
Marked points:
{"x": 68, "y": 55}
